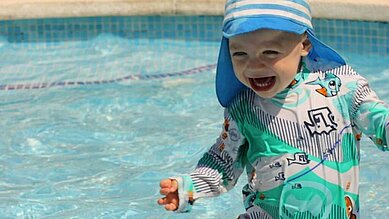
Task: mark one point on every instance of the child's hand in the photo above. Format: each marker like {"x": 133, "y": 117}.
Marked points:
{"x": 169, "y": 188}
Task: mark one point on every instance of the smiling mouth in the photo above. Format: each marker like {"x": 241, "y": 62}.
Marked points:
{"x": 262, "y": 84}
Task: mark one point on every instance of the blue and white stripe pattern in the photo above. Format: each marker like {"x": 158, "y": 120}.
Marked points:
{"x": 295, "y": 10}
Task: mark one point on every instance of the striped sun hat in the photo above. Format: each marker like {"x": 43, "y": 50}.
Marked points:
{"x": 243, "y": 16}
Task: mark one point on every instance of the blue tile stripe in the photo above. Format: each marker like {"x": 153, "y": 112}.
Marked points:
{"x": 343, "y": 35}
{"x": 130, "y": 77}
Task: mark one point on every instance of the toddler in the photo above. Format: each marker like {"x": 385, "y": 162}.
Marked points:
{"x": 294, "y": 115}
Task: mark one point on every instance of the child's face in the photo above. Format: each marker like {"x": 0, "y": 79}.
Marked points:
{"x": 267, "y": 61}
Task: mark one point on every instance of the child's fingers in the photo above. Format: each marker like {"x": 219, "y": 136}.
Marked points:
{"x": 167, "y": 186}
{"x": 165, "y": 183}
{"x": 162, "y": 201}
{"x": 165, "y": 191}
{"x": 174, "y": 185}
{"x": 171, "y": 207}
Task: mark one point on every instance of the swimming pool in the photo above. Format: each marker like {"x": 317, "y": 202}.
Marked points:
{"x": 94, "y": 115}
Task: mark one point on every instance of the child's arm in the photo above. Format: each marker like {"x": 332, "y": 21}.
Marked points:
{"x": 371, "y": 115}
{"x": 216, "y": 172}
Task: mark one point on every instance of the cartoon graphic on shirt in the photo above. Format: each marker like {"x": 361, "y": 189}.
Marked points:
{"x": 280, "y": 176}
{"x": 225, "y": 131}
{"x": 322, "y": 121}
{"x": 330, "y": 85}
{"x": 297, "y": 186}
{"x": 221, "y": 146}
{"x": 190, "y": 198}
{"x": 224, "y": 134}
{"x": 275, "y": 165}
{"x": 349, "y": 208}
{"x": 299, "y": 158}
{"x": 293, "y": 83}
{"x": 253, "y": 175}
{"x": 358, "y": 136}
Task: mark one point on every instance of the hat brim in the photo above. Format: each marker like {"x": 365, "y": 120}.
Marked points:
{"x": 227, "y": 84}
{"x": 321, "y": 56}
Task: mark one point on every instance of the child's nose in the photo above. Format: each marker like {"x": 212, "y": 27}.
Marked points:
{"x": 256, "y": 63}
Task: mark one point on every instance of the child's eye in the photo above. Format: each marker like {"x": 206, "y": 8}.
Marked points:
{"x": 270, "y": 52}
{"x": 239, "y": 54}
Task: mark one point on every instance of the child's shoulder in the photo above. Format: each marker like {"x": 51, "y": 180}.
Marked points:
{"x": 343, "y": 70}
{"x": 347, "y": 74}
{"x": 343, "y": 74}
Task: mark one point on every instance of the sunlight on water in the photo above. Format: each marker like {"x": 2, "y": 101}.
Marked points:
{"x": 100, "y": 150}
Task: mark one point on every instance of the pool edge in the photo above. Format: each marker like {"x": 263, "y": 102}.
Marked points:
{"x": 367, "y": 10}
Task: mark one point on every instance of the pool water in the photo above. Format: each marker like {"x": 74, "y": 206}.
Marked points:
{"x": 99, "y": 149}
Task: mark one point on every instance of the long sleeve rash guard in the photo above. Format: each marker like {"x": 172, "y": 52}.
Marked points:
{"x": 300, "y": 149}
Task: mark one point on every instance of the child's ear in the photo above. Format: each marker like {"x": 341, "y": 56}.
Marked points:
{"x": 307, "y": 46}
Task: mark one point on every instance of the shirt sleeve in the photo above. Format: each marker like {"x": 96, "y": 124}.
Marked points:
{"x": 371, "y": 115}
{"x": 218, "y": 170}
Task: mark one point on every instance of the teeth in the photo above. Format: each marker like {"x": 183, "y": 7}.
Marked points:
{"x": 263, "y": 82}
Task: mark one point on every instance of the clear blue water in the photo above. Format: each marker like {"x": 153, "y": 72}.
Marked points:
{"x": 99, "y": 151}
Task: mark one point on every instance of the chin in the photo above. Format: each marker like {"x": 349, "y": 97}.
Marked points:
{"x": 265, "y": 95}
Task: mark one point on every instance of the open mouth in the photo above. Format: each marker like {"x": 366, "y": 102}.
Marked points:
{"x": 262, "y": 84}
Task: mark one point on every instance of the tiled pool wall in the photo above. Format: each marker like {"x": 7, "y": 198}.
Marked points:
{"x": 354, "y": 36}
{"x": 346, "y": 35}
